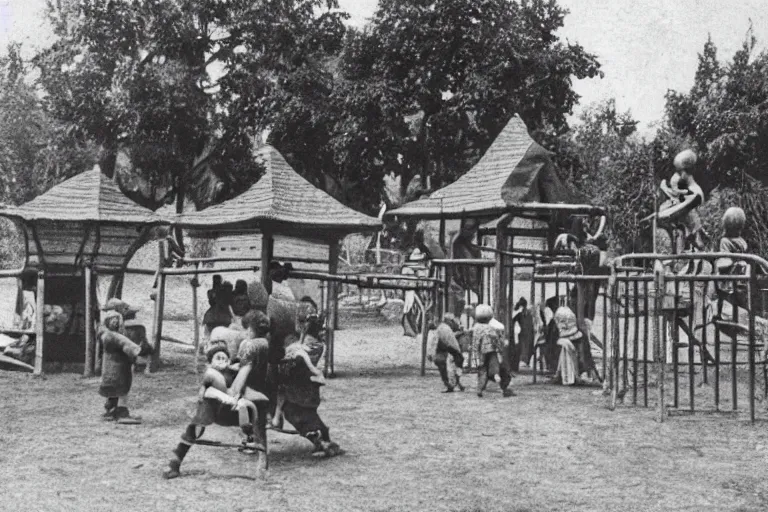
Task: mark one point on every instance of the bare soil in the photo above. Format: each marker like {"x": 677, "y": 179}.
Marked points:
{"x": 408, "y": 446}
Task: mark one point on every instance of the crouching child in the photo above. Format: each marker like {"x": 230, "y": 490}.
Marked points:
{"x": 448, "y": 345}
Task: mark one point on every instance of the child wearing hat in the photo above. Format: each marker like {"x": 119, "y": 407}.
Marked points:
{"x": 117, "y": 372}
{"x": 215, "y": 405}
{"x": 488, "y": 345}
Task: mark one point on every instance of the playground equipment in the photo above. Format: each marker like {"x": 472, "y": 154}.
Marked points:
{"x": 76, "y": 231}
{"x": 697, "y": 332}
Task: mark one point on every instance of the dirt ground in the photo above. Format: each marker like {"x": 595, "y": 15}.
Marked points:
{"x": 408, "y": 447}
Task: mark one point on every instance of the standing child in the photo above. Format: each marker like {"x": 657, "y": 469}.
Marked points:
{"x": 488, "y": 347}
{"x": 117, "y": 373}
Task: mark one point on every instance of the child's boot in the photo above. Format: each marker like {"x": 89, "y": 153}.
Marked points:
{"x": 109, "y": 409}
{"x": 123, "y": 417}
{"x": 173, "y": 470}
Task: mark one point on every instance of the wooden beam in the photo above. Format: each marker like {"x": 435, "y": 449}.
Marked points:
{"x": 267, "y": 249}
{"x": 39, "y": 323}
{"x": 90, "y": 353}
{"x": 333, "y": 303}
{"x": 195, "y": 283}
{"x": 157, "y": 320}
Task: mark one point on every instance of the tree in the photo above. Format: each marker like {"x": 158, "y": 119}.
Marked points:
{"x": 427, "y": 85}
{"x": 180, "y": 88}
{"x": 724, "y": 117}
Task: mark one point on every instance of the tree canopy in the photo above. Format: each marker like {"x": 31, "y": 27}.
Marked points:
{"x": 182, "y": 87}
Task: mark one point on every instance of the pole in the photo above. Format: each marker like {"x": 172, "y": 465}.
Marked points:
{"x": 659, "y": 347}
{"x": 157, "y": 323}
{"x": 332, "y": 297}
{"x": 267, "y": 245}
{"x": 654, "y": 223}
{"x": 195, "y": 283}
{"x": 89, "y": 348}
{"x": 39, "y": 322}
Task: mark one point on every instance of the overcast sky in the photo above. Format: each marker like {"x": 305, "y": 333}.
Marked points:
{"x": 645, "y": 46}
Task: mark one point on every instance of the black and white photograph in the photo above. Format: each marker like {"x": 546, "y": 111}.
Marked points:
{"x": 384, "y": 255}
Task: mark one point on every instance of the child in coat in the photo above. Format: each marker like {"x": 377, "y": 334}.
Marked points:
{"x": 217, "y": 404}
{"x": 117, "y": 372}
{"x": 488, "y": 347}
{"x": 447, "y": 344}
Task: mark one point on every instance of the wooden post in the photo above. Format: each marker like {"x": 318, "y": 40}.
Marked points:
{"x": 157, "y": 321}
{"x": 613, "y": 287}
{"x": 424, "y": 335}
{"x": 39, "y": 322}
{"x": 195, "y": 283}
{"x": 332, "y": 297}
{"x": 500, "y": 285}
{"x": 267, "y": 247}
{"x": 442, "y": 235}
{"x": 90, "y": 352}
{"x": 659, "y": 350}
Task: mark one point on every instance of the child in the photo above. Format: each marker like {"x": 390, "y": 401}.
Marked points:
{"x": 685, "y": 196}
{"x": 733, "y": 226}
{"x": 448, "y": 344}
{"x": 215, "y": 405}
{"x": 297, "y": 353}
{"x": 487, "y": 346}
{"x": 117, "y": 373}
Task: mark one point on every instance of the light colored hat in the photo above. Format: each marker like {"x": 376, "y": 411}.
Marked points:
{"x": 565, "y": 319}
{"x": 496, "y": 325}
{"x": 119, "y": 305}
{"x": 483, "y": 313}
{"x": 685, "y": 160}
{"x": 734, "y": 219}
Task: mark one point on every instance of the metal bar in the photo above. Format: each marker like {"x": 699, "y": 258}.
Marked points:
{"x": 752, "y": 342}
{"x": 691, "y": 352}
{"x": 659, "y": 338}
{"x": 117, "y": 271}
{"x": 39, "y": 322}
{"x": 646, "y": 317}
{"x": 704, "y": 349}
{"x": 606, "y": 344}
{"x": 196, "y": 261}
{"x": 89, "y": 349}
{"x": 717, "y": 359}
{"x": 625, "y": 344}
{"x": 475, "y": 262}
{"x": 675, "y": 346}
{"x": 615, "y": 341}
{"x": 195, "y": 283}
{"x": 191, "y": 272}
{"x": 11, "y": 272}
{"x": 635, "y": 348}
{"x": 734, "y": 345}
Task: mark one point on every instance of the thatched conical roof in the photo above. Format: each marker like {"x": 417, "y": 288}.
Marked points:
{"x": 87, "y": 197}
{"x": 283, "y": 202}
{"x": 513, "y": 172}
